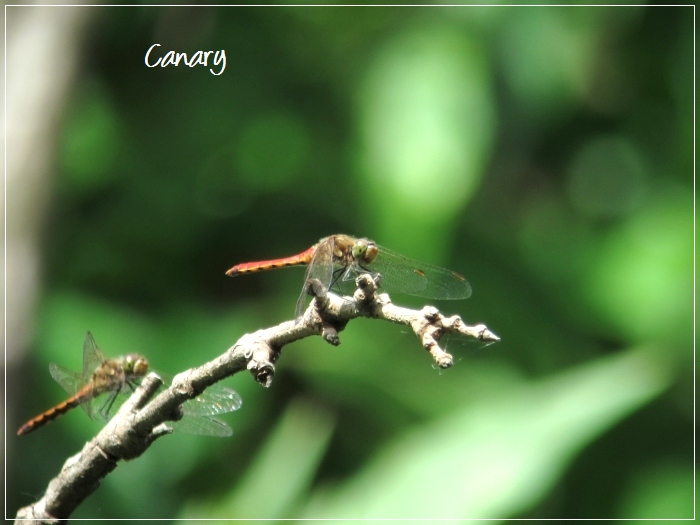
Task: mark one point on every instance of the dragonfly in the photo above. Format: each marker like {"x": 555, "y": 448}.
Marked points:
{"x": 114, "y": 379}
{"x": 336, "y": 261}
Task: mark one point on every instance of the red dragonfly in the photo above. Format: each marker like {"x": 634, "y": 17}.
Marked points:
{"x": 336, "y": 260}
{"x": 117, "y": 377}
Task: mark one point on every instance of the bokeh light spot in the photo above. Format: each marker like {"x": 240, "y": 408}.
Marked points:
{"x": 546, "y": 57}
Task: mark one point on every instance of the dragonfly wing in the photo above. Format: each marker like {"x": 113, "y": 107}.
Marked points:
{"x": 201, "y": 426}
{"x": 69, "y": 381}
{"x": 444, "y": 284}
{"x": 214, "y": 400}
{"x": 92, "y": 357}
{"x": 320, "y": 268}
{"x": 401, "y": 274}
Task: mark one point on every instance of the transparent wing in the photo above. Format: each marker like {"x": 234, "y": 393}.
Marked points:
{"x": 201, "y": 426}
{"x": 92, "y": 357}
{"x": 214, "y": 400}
{"x": 72, "y": 382}
{"x": 320, "y": 268}
{"x": 69, "y": 381}
{"x": 401, "y": 274}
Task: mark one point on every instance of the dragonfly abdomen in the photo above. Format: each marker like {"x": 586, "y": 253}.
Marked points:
{"x": 259, "y": 266}
{"x": 55, "y": 412}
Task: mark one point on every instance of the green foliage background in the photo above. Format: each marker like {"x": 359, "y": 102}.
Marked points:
{"x": 545, "y": 153}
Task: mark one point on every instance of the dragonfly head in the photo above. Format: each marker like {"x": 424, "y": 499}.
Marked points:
{"x": 136, "y": 365}
{"x": 364, "y": 251}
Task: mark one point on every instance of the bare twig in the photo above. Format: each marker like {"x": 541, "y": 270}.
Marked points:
{"x": 138, "y": 423}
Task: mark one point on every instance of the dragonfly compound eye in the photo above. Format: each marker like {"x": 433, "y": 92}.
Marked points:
{"x": 364, "y": 251}
{"x": 136, "y": 364}
{"x": 359, "y": 249}
{"x": 370, "y": 252}
{"x": 141, "y": 367}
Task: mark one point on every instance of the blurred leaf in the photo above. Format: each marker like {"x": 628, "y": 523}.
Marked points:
{"x": 283, "y": 469}
{"x": 664, "y": 491}
{"x": 427, "y": 123}
{"x": 500, "y": 456}
{"x": 640, "y": 278}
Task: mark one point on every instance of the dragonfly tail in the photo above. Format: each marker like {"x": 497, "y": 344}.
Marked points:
{"x": 295, "y": 260}
{"x": 51, "y": 414}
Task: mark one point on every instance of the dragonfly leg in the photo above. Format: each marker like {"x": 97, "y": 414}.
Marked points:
{"x": 351, "y": 271}
{"x": 376, "y": 276}
{"x": 336, "y": 275}
{"x": 104, "y": 410}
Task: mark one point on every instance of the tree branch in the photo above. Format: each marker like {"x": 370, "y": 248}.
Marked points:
{"x": 138, "y": 423}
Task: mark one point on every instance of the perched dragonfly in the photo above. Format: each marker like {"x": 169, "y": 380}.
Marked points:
{"x": 117, "y": 377}
{"x": 335, "y": 261}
